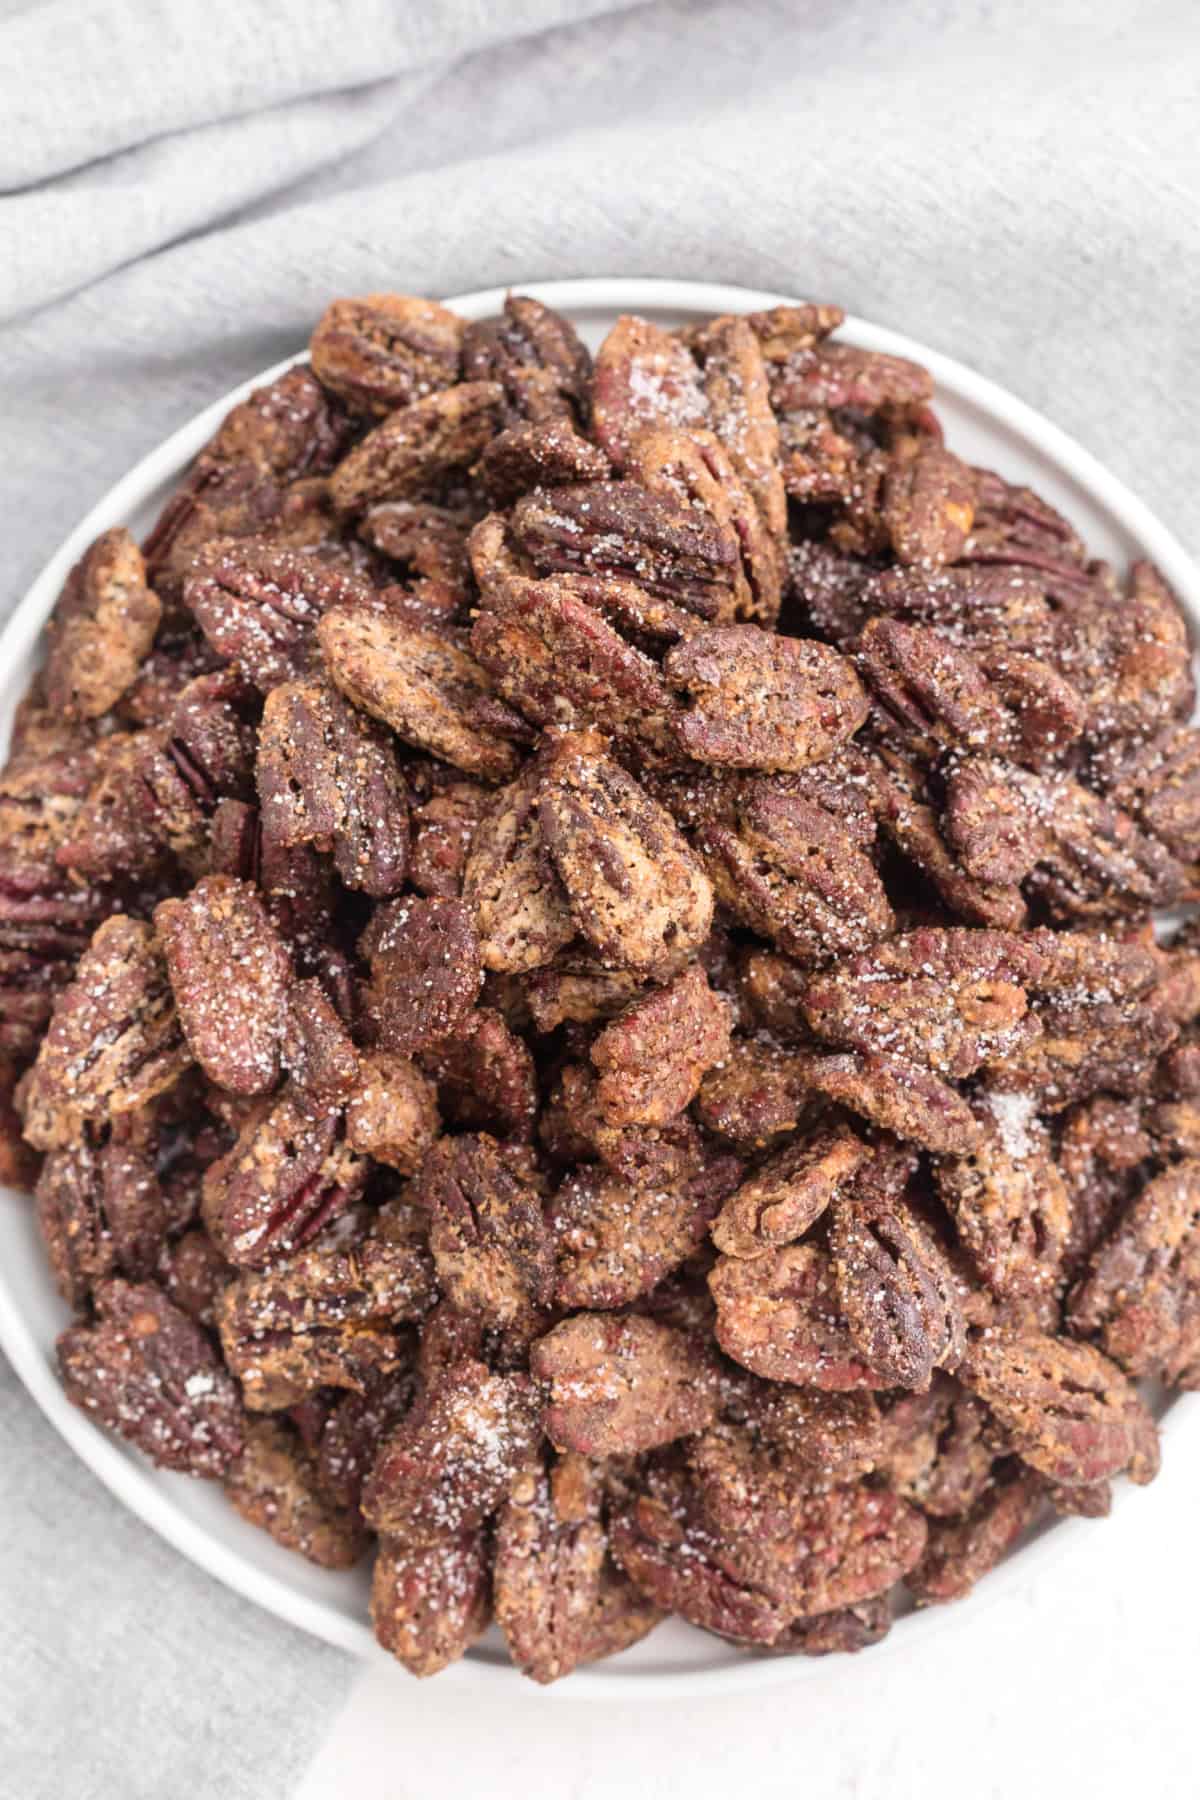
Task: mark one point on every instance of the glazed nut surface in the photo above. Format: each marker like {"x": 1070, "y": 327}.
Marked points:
{"x": 583, "y": 1000}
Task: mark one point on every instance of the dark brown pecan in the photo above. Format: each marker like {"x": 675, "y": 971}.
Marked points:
{"x": 1138, "y": 1293}
{"x": 289, "y": 1173}
{"x": 940, "y": 1448}
{"x": 894, "y": 1285}
{"x": 550, "y": 453}
{"x": 288, "y": 429}
{"x": 486, "y": 1078}
{"x": 652, "y": 1057}
{"x": 430, "y": 1601}
{"x": 442, "y": 830}
{"x": 1067, "y": 1410}
{"x": 386, "y": 350}
{"x": 229, "y": 973}
{"x": 622, "y": 528}
{"x": 317, "y": 1050}
{"x": 928, "y": 504}
{"x": 961, "y": 1551}
{"x": 102, "y": 625}
{"x": 1158, "y": 784}
{"x": 456, "y": 1455}
{"x": 644, "y": 378}
{"x": 354, "y": 1427}
{"x": 392, "y": 1112}
{"x": 257, "y": 604}
{"x": 192, "y": 1272}
{"x": 219, "y": 499}
{"x": 830, "y": 1434}
{"x": 100, "y": 1213}
{"x": 617, "y": 1240}
{"x": 521, "y": 911}
{"x": 325, "y": 1318}
{"x": 841, "y": 375}
{"x": 1009, "y": 1202}
{"x": 763, "y": 702}
{"x": 792, "y": 872}
{"x": 739, "y": 407}
{"x": 425, "y": 971}
{"x": 576, "y": 988}
{"x": 327, "y": 776}
{"x": 425, "y": 686}
{"x": 550, "y": 1558}
{"x": 618, "y": 1386}
{"x": 756, "y": 1096}
{"x": 275, "y": 1484}
{"x": 988, "y": 821}
{"x": 430, "y": 544}
{"x": 632, "y": 885}
{"x": 417, "y": 447}
{"x": 788, "y": 1193}
{"x": 769, "y": 986}
{"x": 955, "y": 999}
{"x": 573, "y": 1129}
{"x": 537, "y": 357}
{"x": 778, "y": 1314}
{"x": 492, "y": 1248}
{"x": 114, "y": 1040}
{"x": 1145, "y": 676}
{"x": 148, "y": 1371}
{"x": 846, "y": 1631}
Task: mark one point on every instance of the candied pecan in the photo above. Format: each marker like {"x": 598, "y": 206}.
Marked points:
{"x": 644, "y": 378}
{"x": 257, "y": 603}
{"x": 485, "y": 1077}
{"x": 418, "y": 446}
{"x": 425, "y": 686}
{"x": 789, "y": 1192}
{"x": 784, "y": 330}
{"x": 442, "y": 833}
{"x": 289, "y": 1173}
{"x": 492, "y": 1248}
{"x": 905, "y": 1099}
{"x": 549, "y": 453}
{"x": 894, "y": 1286}
{"x": 573, "y": 1129}
{"x": 229, "y": 973}
{"x": 778, "y": 1314}
{"x": 327, "y": 776}
{"x": 1158, "y": 784}
{"x": 1145, "y": 675}
{"x": 735, "y": 388}
{"x": 1102, "y": 1147}
{"x": 845, "y": 1631}
{"x": 1094, "y": 1502}
{"x": 791, "y": 872}
{"x": 355, "y": 1426}
{"x": 755, "y": 1096}
{"x": 425, "y": 971}
{"x": 429, "y": 1602}
{"x": 841, "y": 375}
{"x": 838, "y": 1435}
{"x": 430, "y": 542}
{"x": 317, "y": 1050}
{"x": 550, "y": 1555}
{"x": 114, "y": 1040}
{"x": 955, "y": 999}
{"x": 386, "y": 350}
{"x": 632, "y": 885}
{"x": 536, "y": 355}
{"x": 622, "y": 528}
{"x": 617, "y": 1240}
{"x": 325, "y": 1318}
{"x": 288, "y": 429}
{"x": 219, "y": 500}
{"x": 575, "y": 988}
{"x": 1009, "y": 1202}
{"x": 392, "y": 1113}
{"x": 520, "y": 908}
{"x": 1137, "y": 1294}
{"x": 1067, "y": 1410}
{"x": 192, "y": 1272}
{"x": 102, "y": 625}
{"x": 148, "y": 1371}
{"x": 929, "y": 505}
{"x": 618, "y": 1386}
{"x": 275, "y": 1484}
{"x": 763, "y": 702}
{"x": 653, "y": 1055}
{"x": 769, "y": 986}
{"x": 454, "y": 1458}
{"x": 961, "y": 1551}
{"x": 70, "y": 1215}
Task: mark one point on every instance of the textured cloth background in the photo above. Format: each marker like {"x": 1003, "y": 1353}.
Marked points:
{"x": 184, "y": 186}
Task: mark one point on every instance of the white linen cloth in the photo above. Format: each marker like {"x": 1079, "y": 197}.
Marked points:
{"x": 184, "y": 185}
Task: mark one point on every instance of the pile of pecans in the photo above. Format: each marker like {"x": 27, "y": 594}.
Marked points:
{"x": 578, "y": 991}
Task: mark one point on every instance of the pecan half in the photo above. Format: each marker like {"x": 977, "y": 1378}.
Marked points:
{"x": 617, "y": 1240}
{"x": 229, "y": 972}
{"x": 618, "y": 1386}
{"x": 386, "y": 350}
{"x": 763, "y": 702}
{"x": 418, "y": 446}
{"x": 492, "y": 1247}
{"x": 779, "y": 1315}
{"x": 788, "y": 1193}
{"x": 653, "y": 1056}
{"x": 275, "y": 1484}
{"x": 644, "y": 378}
{"x": 425, "y": 971}
{"x": 257, "y": 604}
{"x": 102, "y": 626}
{"x": 430, "y": 1601}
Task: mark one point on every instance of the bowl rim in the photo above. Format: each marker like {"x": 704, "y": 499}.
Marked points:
{"x": 136, "y": 1483}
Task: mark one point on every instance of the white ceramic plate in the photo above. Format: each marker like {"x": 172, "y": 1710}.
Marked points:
{"x": 985, "y": 424}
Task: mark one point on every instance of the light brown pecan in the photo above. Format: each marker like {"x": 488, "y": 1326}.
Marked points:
{"x": 492, "y": 1247}
{"x": 833, "y": 1434}
{"x": 645, "y": 378}
{"x": 386, "y": 350}
{"x": 418, "y": 446}
{"x": 788, "y": 1193}
{"x": 521, "y": 911}
{"x": 763, "y": 702}
{"x": 425, "y": 686}
{"x": 114, "y": 1040}
{"x": 102, "y": 626}
{"x": 392, "y": 1112}
{"x": 1139, "y": 1292}
{"x": 442, "y": 831}
{"x": 632, "y": 886}
{"x": 430, "y": 1601}
{"x": 778, "y": 1314}
{"x": 652, "y": 1057}
{"x": 275, "y": 1484}
{"x": 148, "y": 1371}
{"x": 929, "y": 504}
{"x": 618, "y": 1239}
{"x": 229, "y": 973}
{"x": 550, "y": 1557}
{"x": 732, "y": 357}
{"x": 621, "y": 1385}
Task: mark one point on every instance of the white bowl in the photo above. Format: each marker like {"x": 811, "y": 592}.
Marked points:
{"x": 985, "y": 424}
